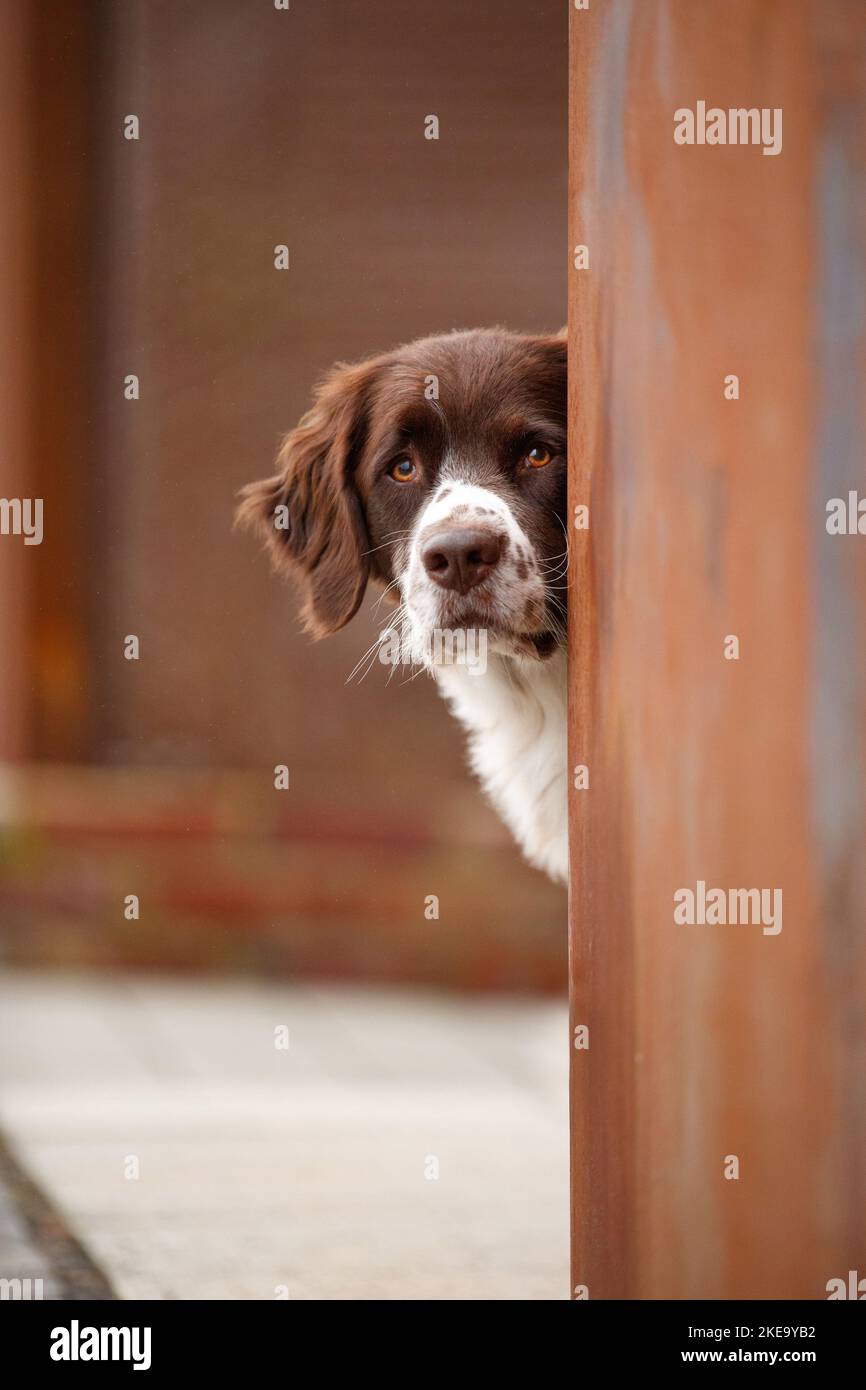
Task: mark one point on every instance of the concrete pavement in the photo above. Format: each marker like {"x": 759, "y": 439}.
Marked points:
{"x": 402, "y": 1146}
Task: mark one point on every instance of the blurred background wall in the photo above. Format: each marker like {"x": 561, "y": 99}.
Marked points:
{"x": 156, "y": 257}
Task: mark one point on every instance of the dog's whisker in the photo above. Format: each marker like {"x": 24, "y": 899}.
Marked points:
{"x": 393, "y": 585}
{"x": 390, "y": 537}
{"x": 369, "y": 656}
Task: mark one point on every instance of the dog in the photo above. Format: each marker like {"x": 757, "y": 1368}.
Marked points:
{"x": 438, "y": 472}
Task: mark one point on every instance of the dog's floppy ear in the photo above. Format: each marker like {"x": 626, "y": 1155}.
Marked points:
{"x": 550, "y": 353}
{"x": 309, "y": 514}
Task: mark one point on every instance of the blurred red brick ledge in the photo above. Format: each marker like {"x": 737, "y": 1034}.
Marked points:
{"x": 232, "y": 876}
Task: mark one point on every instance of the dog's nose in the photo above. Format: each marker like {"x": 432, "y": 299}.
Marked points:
{"x": 459, "y": 559}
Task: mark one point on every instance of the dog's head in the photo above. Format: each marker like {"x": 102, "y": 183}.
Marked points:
{"x": 437, "y": 471}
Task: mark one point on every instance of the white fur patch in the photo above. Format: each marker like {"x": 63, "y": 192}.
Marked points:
{"x": 515, "y": 711}
{"x": 515, "y": 715}
{"x": 505, "y": 602}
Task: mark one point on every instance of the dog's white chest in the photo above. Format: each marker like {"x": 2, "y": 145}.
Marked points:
{"x": 515, "y": 715}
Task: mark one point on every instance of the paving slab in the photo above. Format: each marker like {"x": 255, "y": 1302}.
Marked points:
{"x": 403, "y": 1146}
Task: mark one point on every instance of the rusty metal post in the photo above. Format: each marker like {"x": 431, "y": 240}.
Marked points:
{"x": 16, "y": 364}
{"x": 717, "y": 329}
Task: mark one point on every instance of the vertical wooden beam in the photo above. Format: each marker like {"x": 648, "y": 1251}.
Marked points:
{"x": 67, "y": 410}
{"x": 45, "y": 349}
{"x": 16, "y": 365}
{"x": 707, "y": 521}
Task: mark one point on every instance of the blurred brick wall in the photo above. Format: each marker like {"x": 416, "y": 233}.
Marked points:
{"x": 261, "y": 127}
{"x": 305, "y": 128}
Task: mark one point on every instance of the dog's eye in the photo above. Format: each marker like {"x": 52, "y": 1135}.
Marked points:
{"x": 538, "y": 457}
{"x": 403, "y": 471}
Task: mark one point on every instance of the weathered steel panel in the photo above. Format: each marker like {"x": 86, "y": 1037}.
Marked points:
{"x": 708, "y": 521}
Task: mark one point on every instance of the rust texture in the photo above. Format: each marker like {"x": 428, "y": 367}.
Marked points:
{"x": 707, "y": 520}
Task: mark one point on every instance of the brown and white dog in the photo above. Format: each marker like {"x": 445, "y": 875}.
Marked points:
{"x": 438, "y": 472}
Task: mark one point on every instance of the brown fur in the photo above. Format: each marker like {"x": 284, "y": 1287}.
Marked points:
{"x": 348, "y": 520}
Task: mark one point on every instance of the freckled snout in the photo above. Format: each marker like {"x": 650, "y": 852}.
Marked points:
{"x": 458, "y": 558}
